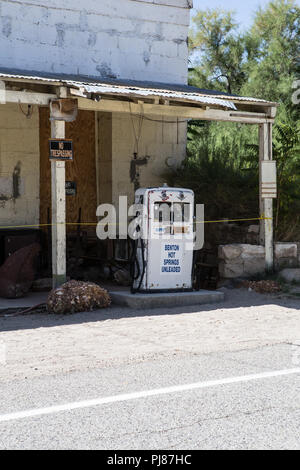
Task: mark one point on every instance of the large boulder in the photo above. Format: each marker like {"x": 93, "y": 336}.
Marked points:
{"x": 231, "y": 270}
{"x": 286, "y": 250}
{"x": 254, "y": 266}
{"x": 77, "y": 296}
{"x": 290, "y": 275}
{"x": 230, "y": 252}
{"x": 241, "y": 260}
{"x": 253, "y": 251}
{"x": 286, "y": 255}
{"x": 18, "y": 271}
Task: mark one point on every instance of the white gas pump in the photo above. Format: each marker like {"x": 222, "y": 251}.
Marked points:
{"x": 163, "y": 255}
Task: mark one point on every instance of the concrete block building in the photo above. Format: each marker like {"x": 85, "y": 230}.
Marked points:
{"x": 140, "y": 40}
{"x": 125, "y": 62}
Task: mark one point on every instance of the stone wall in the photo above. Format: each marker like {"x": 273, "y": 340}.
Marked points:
{"x": 243, "y": 261}
{"x": 298, "y": 245}
{"x": 130, "y": 39}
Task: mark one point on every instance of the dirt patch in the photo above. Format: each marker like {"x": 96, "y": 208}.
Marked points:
{"x": 263, "y": 287}
{"x": 49, "y": 344}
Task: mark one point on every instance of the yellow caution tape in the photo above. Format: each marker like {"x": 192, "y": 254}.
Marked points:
{"x": 232, "y": 220}
{"x": 99, "y": 223}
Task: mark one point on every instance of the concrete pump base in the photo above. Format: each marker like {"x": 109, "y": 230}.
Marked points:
{"x": 170, "y": 299}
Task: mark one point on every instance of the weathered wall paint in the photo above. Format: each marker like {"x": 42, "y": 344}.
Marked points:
{"x": 164, "y": 144}
{"x": 133, "y": 39}
{"x": 19, "y": 166}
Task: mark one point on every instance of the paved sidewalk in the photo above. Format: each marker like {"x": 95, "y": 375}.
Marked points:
{"x": 32, "y": 299}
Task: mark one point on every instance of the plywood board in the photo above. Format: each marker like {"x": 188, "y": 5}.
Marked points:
{"x": 82, "y": 170}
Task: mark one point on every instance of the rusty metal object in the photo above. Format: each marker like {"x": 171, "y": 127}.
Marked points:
{"x": 135, "y": 163}
{"x": 63, "y": 109}
{"x": 18, "y": 271}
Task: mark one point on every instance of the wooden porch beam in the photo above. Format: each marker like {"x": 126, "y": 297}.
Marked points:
{"x": 113, "y": 105}
{"x": 28, "y": 97}
{"x": 184, "y": 112}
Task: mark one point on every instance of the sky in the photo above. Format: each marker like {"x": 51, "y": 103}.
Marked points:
{"x": 244, "y": 8}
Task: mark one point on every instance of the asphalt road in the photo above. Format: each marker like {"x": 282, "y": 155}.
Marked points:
{"x": 261, "y": 412}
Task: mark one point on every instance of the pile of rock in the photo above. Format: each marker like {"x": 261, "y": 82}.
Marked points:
{"x": 263, "y": 287}
{"x": 77, "y": 296}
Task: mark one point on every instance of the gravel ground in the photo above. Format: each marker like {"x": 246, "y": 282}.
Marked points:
{"x": 41, "y": 344}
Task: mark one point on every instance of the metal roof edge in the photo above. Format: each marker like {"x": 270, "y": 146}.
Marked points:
{"x": 134, "y": 85}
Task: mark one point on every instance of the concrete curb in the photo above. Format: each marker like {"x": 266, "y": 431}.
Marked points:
{"x": 157, "y": 300}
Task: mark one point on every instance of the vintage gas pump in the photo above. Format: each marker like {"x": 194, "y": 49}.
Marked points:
{"x": 163, "y": 254}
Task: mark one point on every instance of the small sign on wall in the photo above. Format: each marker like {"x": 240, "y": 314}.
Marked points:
{"x": 71, "y": 188}
{"x": 60, "y": 149}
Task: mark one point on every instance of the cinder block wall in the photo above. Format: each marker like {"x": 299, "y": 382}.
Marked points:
{"x": 164, "y": 143}
{"x": 19, "y": 166}
{"x": 133, "y": 39}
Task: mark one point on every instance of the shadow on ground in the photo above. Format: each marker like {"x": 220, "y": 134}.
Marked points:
{"x": 234, "y": 299}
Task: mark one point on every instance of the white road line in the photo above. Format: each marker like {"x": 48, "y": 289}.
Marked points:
{"x": 143, "y": 394}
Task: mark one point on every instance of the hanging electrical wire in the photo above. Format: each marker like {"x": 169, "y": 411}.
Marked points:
{"x": 29, "y": 112}
{"x": 167, "y": 122}
{"x": 185, "y": 121}
{"x": 138, "y": 133}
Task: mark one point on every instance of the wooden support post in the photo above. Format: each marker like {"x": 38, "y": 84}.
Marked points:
{"x": 263, "y": 152}
{"x": 58, "y": 197}
{"x": 266, "y": 204}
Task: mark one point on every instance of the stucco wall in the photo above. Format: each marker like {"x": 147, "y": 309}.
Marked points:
{"x": 133, "y": 39}
{"x": 164, "y": 144}
{"x": 19, "y": 166}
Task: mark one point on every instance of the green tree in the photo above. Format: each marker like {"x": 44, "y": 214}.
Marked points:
{"x": 286, "y": 151}
{"x": 262, "y": 62}
{"x": 274, "y": 66}
{"x": 220, "y": 48}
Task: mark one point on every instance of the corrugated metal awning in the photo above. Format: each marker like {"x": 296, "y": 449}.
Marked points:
{"x": 139, "y": 92}
{"x": 88, "y": 86}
